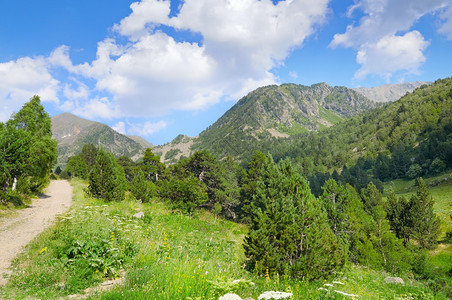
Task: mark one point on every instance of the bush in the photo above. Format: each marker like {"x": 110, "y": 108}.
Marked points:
{"x": 184, "y": 194}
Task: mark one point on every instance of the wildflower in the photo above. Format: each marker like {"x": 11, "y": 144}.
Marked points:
{"x": 43, "y": 250}
{"x": 267, "y": 274}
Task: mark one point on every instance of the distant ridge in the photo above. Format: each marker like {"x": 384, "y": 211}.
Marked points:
{"x": 72, "y": 133}
{"x": 389, "y": 92}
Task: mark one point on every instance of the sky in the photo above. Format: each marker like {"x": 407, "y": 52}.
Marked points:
{"x": 159, "y": 68}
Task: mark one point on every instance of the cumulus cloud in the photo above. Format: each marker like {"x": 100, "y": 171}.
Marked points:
{"x": 446, "y": 27}
{"x": 390, "y": 54}
{"x": 23, "y": 78}
{"x": 240, "y": 42}
{"x": 120, "y": 127}
{"x": 93, "y": 109}
{"x": 382, "y": 38}
{"x": 147, "y": 129}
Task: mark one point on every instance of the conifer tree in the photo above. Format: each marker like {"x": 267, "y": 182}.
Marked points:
{"x": 397, "y": 210}
{"x": 425, "y": 224}
{"x": 289, "y": 233}
{"x": 141, "y": 188}
{"x": 106, "y": 179}
{"x": 151, "y": 166}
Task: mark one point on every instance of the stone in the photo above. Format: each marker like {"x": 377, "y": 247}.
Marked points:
{"x": 230, "y": 296}
{"x": 396, "y": 280}
{"x": 274, "y": 295}
{"x": 139, "y": 215}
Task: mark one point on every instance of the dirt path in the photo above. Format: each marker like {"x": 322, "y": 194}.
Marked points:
{"x": 18, "y": 231}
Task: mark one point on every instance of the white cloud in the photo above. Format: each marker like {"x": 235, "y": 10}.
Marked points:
{"x": 120, "y": 127}
{"x": 241, "y": 41}
{"x": 446, "y": 27}
{"x": 93, "y": 109}
{"x": 391, "y": 54}
{"x": 23, "y": 78}
{"x": 382, "y": 38}
{"x": 147, "y": 129}
{"x": 136, "y": 24}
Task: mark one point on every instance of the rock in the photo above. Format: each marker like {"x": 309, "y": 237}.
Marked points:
{"x": 139, "y": 215}
{"x": 249, "y": 298}
{"x": 274, "y": 295}
{"x": 396, "y": 280}
{"x": 230, "y": 296}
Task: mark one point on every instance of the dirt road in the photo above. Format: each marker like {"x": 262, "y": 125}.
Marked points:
{"x": 18, "y": 231}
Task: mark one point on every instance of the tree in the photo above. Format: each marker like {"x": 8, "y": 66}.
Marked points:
{"x": 27, "y": 151}
{"x": 397, "y": 213}
{"x": 106, "y": 179}
{"x": 425, "y": 224}
{"x": 249, "y": 184}
{"x": 141, "y": 188}
{"x": 185, "y": 193}
{"x": 151, "y": 166}
{"x": 371, "y": 198}
{"x": 289, "y": 233}
{"x": 88, "y": 154}
{"x": 77, "y": 167}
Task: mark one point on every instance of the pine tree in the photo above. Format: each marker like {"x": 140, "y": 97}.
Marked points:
{"x": 142, "y": 189}
{"x": 77, "y": 167}
{"x": 289, "y": 233}
{"x": 397, "y": 215}
{"x": 151, "y": 166}
{"x": 425, "y": 224}
{"x": 106, "y": 179}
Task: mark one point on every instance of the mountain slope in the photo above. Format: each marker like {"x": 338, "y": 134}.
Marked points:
{"x": 72, "y": 133}
{"x": 413, "y": 130}
{"x": 389, "y": 92}
{"x": 274, "y": 112}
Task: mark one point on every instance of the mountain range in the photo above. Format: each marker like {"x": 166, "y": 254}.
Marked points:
{"x": 266, "y": 114}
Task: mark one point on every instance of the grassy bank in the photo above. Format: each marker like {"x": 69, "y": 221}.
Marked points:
{"x": 164, "y": 255}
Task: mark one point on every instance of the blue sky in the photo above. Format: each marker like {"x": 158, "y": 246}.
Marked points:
{"x": 157, "y": 68}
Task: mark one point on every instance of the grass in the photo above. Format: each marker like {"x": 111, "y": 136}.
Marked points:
{"x": 166, "y": 255}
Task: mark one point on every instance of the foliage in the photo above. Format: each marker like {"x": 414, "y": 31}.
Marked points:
{"x": 27, "y": 151}
{"x": 77, "y": 167}
{"x": 151, "y": 166}
{"x": 425, "y": 225}
{"x": 106, "y": 179}
{"x": 289, "y": 233}
{"x": 184, "y": 194}
{"x": 141, "y": 188}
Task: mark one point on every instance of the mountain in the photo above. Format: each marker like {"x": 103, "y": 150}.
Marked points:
{"x": 279, "y": 111}
{"x": 389, "y": 92}
{"x": 414, "y": 130}
{"x": 141, "y": 141}
{"x": 72, "y": 133}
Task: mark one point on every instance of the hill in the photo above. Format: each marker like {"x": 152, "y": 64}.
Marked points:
{"x": 389, "y": 92}
{"x": 275, "y": 112}
{"x": 415, "y": 130}
{"x": 72, "y": 133}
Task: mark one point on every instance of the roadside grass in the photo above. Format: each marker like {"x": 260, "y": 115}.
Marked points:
{"x": 167, "y": 255}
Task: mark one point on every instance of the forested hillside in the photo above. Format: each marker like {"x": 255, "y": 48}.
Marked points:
{"x": 408, "y": 138}
{"x": 274, "y": 112}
